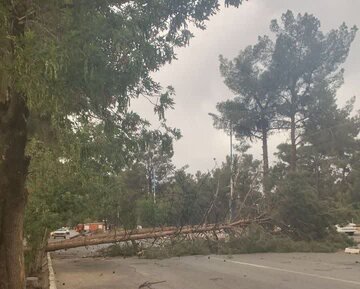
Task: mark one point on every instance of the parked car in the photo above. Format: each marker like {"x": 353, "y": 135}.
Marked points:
{"x": 349, "y": 229}
{"x": 62, "y": 232}
{"x": 67, "y": 230}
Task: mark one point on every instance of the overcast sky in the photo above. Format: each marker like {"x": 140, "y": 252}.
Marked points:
{"x": 199, "y": 86}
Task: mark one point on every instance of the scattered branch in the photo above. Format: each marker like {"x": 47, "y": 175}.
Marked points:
{"x": 148, "y": 284}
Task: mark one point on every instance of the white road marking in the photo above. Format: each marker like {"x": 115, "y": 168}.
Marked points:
{"x": 290, "y": 271}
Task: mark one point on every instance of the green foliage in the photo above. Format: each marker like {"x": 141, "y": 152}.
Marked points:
{"x": 291, "y": 84}
{"x": 152, "y": 214}
{"x": 121, "y": 249}
{"x": 307, "y": 62}
{"x": 252, "y": 114}
{"x": 249, "y": 77}
{"x": 300, "y": 211}
{"x": 80, "y": 64}
{"x": 331, "y": 130}
{"x": 254, "y": 239}
{"x": 258, "y": 240}
{"x": 82, "y": 57}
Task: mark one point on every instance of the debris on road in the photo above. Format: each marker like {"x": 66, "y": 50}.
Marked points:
{"x": 148, "y": 284}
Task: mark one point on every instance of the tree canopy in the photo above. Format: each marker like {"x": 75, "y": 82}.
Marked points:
{"x": 65, "y": 63}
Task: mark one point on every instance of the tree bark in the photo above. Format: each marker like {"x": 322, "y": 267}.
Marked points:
{"x": 265, "y": 160}
{"x": 13, "y": 171}
{"x": 293, "y": 156}
{"x": 13, "y": 162}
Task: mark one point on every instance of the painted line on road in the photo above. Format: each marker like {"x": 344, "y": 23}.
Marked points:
{"x": 289, "y": 271}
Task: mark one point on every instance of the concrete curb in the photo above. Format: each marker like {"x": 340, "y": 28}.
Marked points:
{"x": 52, "y": 281}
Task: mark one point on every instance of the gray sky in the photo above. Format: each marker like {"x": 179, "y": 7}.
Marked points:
{"x": 199, "y": 86}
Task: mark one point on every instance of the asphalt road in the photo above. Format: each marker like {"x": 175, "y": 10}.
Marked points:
{"x": 255, "y": 271}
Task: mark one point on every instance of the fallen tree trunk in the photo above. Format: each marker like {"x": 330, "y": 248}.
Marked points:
{"x": 143, "y": 234}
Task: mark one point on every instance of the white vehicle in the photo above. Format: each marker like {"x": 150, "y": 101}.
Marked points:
{"x": 62, "y": 232}
{"x": 67, "y": 230}
{"x": 349, "y": 229}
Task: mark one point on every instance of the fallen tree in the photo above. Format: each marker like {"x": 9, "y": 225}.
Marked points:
{"x": 142, "y": 234}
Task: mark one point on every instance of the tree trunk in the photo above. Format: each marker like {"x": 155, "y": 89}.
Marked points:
{"x": 293, "y": 144}
{"x": 265, "y": 161}
{"x": 13, "y": 162}
{"x": 13, "y": 170}
{"x": 149, "y": 178}
{"x": 143, "y": 234}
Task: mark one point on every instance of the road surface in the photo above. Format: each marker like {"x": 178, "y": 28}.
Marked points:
{"x": 253, "y": 271}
